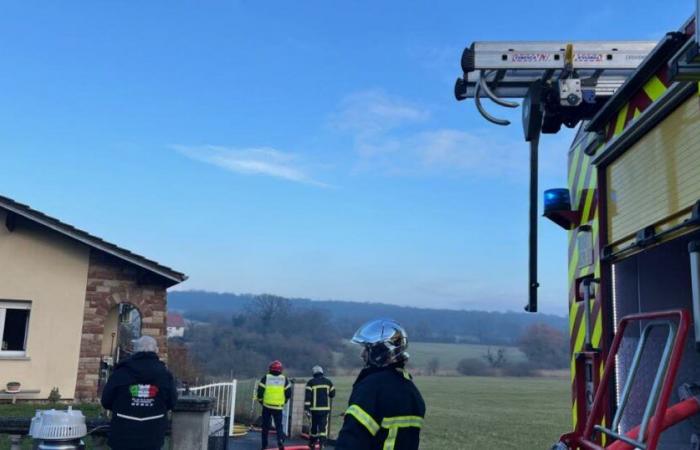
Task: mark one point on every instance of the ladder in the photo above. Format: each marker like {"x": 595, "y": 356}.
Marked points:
{"x": 577, "y": 77}
{"x": 562, "y": 83}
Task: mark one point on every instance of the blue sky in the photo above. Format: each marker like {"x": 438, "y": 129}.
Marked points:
{"x": 301, "y": 148}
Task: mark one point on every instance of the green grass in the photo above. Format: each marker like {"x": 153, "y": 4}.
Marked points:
{"x": 467, "y": 413}
{"x": 90, "y": 410}
{"x": 450, "y": 354}
{"x": 474, "y": 413}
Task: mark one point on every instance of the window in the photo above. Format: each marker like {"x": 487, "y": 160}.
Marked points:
{"x": 14, "y": 325}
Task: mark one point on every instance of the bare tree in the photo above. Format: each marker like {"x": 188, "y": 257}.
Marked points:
{"x": 496, "y": 360}
{"x": 270, "y": 308}
{"x": 181, "y": 364}
{"x": 433, "y": 366}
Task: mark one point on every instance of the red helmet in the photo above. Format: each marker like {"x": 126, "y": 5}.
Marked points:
{"x": 276, "y": 366}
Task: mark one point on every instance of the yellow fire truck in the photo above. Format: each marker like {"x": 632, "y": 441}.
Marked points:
{"x": 632, "y": 213}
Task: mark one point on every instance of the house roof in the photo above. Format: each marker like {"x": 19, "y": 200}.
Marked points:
{"x": 175, "y": 320}
{"x": 95, "y": 242}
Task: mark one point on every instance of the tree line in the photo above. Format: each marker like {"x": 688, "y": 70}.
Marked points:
{"x": 242, "y": 344}
{"x": 425, "y": 324}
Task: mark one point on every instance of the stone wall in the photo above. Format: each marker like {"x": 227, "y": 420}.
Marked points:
{"x": 297, "y": 410}
{"x": 111, "y": 281}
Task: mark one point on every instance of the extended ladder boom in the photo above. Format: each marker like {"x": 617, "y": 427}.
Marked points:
{"x": 577, "y": 77}
{"x": 561, "y": 82}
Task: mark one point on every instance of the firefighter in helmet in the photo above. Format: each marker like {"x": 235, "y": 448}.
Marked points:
{"x": 274, "y": 390}
{"x": 386, "y": 409}
{"x": 317, "y": 402}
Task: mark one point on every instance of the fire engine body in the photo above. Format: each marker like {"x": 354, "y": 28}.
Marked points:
{"x": 632, "y": 213}
{"x": 634, "y": 179}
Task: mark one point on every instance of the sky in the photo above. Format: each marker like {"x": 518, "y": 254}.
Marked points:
{"x": 306, "y": 149}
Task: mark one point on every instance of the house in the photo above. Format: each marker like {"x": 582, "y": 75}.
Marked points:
{"x": 70, "y": 303}
{"x": 176, "y": 325}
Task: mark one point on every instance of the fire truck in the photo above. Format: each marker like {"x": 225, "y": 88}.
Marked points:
{"x": 632, "y": 213}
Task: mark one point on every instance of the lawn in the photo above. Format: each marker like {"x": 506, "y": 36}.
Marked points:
{"x": 90, "y": 410}
{"x": 467, "y": 413}
{"x": 449, "y": 354}
{"x": 474, "y": 413}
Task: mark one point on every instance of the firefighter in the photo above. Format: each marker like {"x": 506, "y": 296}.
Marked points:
{"x": 317, "y": 403}
{"x": 274, "y": 390}
{"x": 385, "y": 410}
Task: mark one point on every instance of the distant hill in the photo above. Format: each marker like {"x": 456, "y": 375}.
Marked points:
{"x": 422, "y": 324}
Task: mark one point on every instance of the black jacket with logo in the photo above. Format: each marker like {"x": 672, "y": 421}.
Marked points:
{"x": 139, "y": 393}
{"x": 319, "y": 392}
{"x": 384, "y": 405}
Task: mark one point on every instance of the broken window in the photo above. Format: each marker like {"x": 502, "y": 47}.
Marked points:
{"x": 14, "y": 325}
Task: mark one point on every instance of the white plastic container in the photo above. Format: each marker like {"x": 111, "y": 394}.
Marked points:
{"x": 58, "y": 429}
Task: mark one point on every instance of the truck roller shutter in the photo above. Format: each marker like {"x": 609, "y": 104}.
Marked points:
{"x": 655, "y": 182}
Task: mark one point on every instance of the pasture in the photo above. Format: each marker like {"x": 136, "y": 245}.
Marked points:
{"x": 449, "y": 354}
{"x": 477, "y": 413}
{"x": 467, "y": 413}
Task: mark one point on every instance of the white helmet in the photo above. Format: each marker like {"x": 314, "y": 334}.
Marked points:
{"x": 317, "y": 370}
{"x": 384, "y": 340}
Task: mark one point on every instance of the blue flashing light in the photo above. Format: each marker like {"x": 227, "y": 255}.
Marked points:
{"x": 557, "y": 200}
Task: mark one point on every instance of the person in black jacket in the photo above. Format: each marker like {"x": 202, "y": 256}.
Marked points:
{"x": 139, "y": 393}
{"x": 385, "y": 410}
{"x": 317, "y": 403}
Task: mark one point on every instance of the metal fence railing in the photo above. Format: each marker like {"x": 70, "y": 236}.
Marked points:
{"x": 224, "y": 408}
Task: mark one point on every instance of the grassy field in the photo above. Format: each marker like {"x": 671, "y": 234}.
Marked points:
{"x": 474, "y": 413}
{"x": 468, "y": 413}
{"x": 450, "y": 354}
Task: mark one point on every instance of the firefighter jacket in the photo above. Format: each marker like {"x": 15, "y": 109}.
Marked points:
{"x": 274, "y": 389}
{"x": 139, "y": 393}
{"x": 319, "y": 392}
{"x": 385, "y": 412}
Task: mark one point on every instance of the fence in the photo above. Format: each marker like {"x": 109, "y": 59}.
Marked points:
{"x": 223, "y": 411}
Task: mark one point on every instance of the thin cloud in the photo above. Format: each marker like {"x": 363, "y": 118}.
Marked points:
{"x": 486, "y": 153}
{"x": 262, "y": 161}
{"x": 371, "y": 112}
{"x": 480, "y": 153}
{"x": 392, "y": 135}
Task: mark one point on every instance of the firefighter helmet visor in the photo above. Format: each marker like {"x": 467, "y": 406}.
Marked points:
{"x": 384, "y": 341}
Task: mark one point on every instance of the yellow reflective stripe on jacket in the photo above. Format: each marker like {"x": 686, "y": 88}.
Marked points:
{"x": 402, "y": 422}
{"x": 314, "y": 401}
{"x": 391, "y": 439}
{"x": 393, "y": 424}
{"x": 405, "y": 373}
{"x": 365, "y": 419}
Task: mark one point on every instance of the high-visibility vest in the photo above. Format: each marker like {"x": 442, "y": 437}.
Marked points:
{"x": 274, "y": 391}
